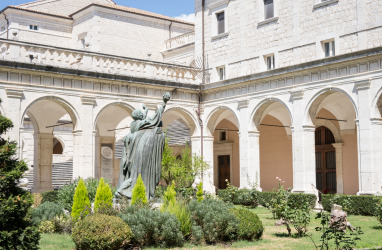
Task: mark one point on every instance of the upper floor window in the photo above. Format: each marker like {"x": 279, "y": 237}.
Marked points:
{"x": 220, "y": 18}
{"x": 329, "y": 48}
{"x": 33, "y": 27}
{"x": 269, "y": 10}
{"x": 221, "y": 73}
{"x": 223, "y": 135}
{"x": 270, "y": 61}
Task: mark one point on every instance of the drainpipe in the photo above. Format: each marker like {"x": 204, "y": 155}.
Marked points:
{"x": 5, "y": 16}
{"x": 202, "y": 83}
{"x": 169, "y": 30}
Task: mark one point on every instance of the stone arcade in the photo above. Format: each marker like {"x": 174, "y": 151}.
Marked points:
{"x": 292, "y": 89}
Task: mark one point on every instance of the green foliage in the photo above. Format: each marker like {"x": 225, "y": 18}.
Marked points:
{"x": 50, "y": 196}
{"x": 46, "y": 227}
{"x": 153, "y": 228}
{"x": 104, "y": 197}
{"x": 215, "y": 219}
{"x": 250, "y": 225}
{"x": 139, "y": 192}
{"x": 266, "y": 197}
{"x": 17, "y": 230}
{"x": 244, "y": 197}
{"x": 342, "y": 240}
{"x": 378, "y": 211}
{"x": 47, "y": 211}
{"x": 169, "y": 197}
{"x": 352, "y": 204}
{"x": 179, "y": 209}
{"x": 81, "y": 202}
{"x": 199, "y": 193}
{"x": 62, "y": 224}
{"x": 66, "y": 193}
{"x": 99, "y": 231}
{"x": 182, "y": 171}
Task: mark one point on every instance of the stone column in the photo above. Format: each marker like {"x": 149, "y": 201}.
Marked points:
{"x": 376, "y": 129}
{"x": 208, "y": 155}
{"x": 339, "y": 168}
{"x": 304, "y": 170}
{"x": 14, "y": 114}
{"x": 84, "y": 142}
{"x": 253, "y": 153}
{"x": 364, "y": 139}
{"x": 42, "y": 163}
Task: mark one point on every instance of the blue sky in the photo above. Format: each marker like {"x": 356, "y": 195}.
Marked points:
{"x": 173, "y": 8}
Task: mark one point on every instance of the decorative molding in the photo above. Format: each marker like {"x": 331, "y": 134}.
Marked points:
{"x": 14, "y": 93}
{"x": 220, "y": 36}
{"x": 269, "y": 20}
{"x": 242, "y": 104}
{"x": 218, "y": 4}
{"x": 253, "y": 134}
{"x": 296, "y": 95}
{"x": 376, "y": 121}
{"x": 85, "y": 100}
{"x": 309, "y": 128}
{"x": 362, "y": 85}
{"x": 324, "y": 3}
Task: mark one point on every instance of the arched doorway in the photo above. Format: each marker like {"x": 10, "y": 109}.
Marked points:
{"x": 326, "y": 177}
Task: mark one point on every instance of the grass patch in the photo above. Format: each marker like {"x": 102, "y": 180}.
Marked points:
{"x": 273, "y": 238}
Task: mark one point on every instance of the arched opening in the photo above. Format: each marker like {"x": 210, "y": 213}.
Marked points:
{"x": 326, "y": 180}
{"x": 44, "y": 121}
{"x": 223, "y": 125}
{"x": 333, "y": 114}
{"x": 272, "y": 119}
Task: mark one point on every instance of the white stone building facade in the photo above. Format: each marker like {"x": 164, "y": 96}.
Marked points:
{"x": 290, "y": 89}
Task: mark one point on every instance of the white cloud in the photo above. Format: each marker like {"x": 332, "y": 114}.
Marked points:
{"x": 188, "y": 18}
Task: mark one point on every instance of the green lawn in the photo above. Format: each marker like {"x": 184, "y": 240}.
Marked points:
{"x": 273, "y": 237}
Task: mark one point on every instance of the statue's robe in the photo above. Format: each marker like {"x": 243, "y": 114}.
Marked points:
{"x": 142, "y": 154}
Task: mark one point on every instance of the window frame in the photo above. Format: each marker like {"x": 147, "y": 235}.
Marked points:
{"x": 218, "y": 32}
{"x": 331, "y": 46}
{"x": 34, "y": 27}
{"x": 220, "y": 70}
{"x": 221, "y": 131}
{"x": 272, "y": 64}
{"x": 266, "y": 9}
{"x": 214, "y": 10}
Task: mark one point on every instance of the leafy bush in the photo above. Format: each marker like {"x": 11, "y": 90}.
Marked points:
{"x": 46, "y": 227}
{"x": 99, "y": 231}
{"x": 37, "y": 199}
{"x": 378, "y": 211}
{"x": 153, "y": 228}
{"x": 179, "y": 209}
{"x": 199, "y": 193}
{"x": 139, "y": 192}
{"x": 169, "y": 197}
{"x": 47, "y": 211}
{"x": 66, "y": 193}
{"x": 16, "y": 228}
{"x": 62, "y": 224}
{"x": 50, "y": 196}
{"x": 103, "y": 198}
{"x": 215, "y": 219}
{"x": 250, "y": 225}
{"x": 81, "y": 202}
{"x": 352, "y": 204}
{"x": 244, "y": 197}
{"x": 266, "y": 197}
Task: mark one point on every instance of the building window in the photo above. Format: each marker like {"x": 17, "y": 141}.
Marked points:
{"x": 329, "y": 48}
{"x": 221, "y": 73}
{"x": 223, "y": 135}
{"x": 270, "y": 61}
{"x": 83, "y": 43}
{"x": 220, "y": 18}
{"x": 33, "y": 27}
{"x": 269, "y": 10}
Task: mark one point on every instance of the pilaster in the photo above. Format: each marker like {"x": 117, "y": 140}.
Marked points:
{"x": 14, "y": 98}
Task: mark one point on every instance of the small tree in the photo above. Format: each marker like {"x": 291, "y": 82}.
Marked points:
{"x": 139, "y": 193}
{"x": 16, "y": 228}
{"x": 81, "y": 202}
{"x": 103, "y": 198}
{"x": 169, "y": 197}
{"x": 199, "y": 193}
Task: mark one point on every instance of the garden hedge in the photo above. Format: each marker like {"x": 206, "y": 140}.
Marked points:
{"x": 244, "y": 197}
{"x": 294, "y": 198}
{"x": 352, "y": 204}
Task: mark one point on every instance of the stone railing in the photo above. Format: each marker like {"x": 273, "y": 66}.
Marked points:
{"x": 95, "y": 62}
{"x": 180, "y": 40}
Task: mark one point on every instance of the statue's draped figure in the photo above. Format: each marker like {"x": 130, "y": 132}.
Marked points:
{"x": 142, "y": 153}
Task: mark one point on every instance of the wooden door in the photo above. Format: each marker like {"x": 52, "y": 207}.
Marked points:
{"x": 224, "y": 170}
{"x": 326, "y": 178}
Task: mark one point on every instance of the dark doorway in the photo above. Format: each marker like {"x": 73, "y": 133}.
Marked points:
{"x": 326, "y": 179}
{"x": 224, "y": 170}
{"x": 57, "y": 147}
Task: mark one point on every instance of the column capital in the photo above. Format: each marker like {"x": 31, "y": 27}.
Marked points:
{"x": 376, "y": 121}
{"x": 253, "y": 133}
{"x": 296, "y": 95}
{"x": 362, "y": 85}
{"x": 309, "y": 128}
{"x": 86, "y": 100}
{"x": 14, "y": 93}
{"x": 242, "y": 104}
{"x": 338, "y": 145}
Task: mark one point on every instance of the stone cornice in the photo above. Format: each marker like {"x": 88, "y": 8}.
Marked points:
{"x": 14, "y": 93}
{"x": 243, "y": 104}
{"x": 86, "y": 100}
{"x": 297, "y": 95}
{"x": 362, "y": 85}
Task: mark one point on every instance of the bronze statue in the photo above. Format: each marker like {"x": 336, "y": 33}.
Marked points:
{"x": 142, "y": 153}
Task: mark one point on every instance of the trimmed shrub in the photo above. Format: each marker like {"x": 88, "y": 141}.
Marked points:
{"x": 250, "y": 225}
{"x": 103, "y": 198}
{"x": 81, "y": 202}
{"x": 50, "y": 196}
{"x": 215, "y": 219}
{"x": 295, "y": 199}
{"x": 47, "y": 211}
{"x": 265, "y": 198}
{"x": 378, "y": 212}
{"x": 352, "y": 204}
{"x": 199, "y": 193}
{"x": 99, "y": 231}
{"x": 153, "y": 228}
{"x": 139, "y": 192}
{"x": 244, "y": 197}
{"x": 46, "y": 227}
